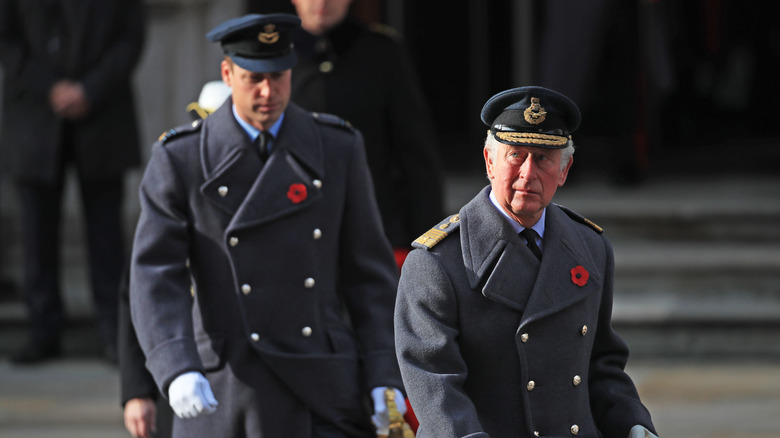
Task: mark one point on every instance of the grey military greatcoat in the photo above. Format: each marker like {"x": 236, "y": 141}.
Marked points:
{"x": 492, "y": 342}
{"x": 277, "y": 255}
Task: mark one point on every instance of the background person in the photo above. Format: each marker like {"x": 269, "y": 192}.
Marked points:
{"x": 503, "y": 317}
{"x": 68, "y": 103}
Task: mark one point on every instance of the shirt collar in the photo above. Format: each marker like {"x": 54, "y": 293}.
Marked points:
{"x": 253, "y": 132}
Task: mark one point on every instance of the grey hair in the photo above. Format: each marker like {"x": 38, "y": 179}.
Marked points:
{"x": 491, "y": 145}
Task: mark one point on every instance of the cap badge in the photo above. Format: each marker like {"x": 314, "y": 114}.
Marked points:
{"x": 269, "y": 35}
{"x": 534, "y": 114}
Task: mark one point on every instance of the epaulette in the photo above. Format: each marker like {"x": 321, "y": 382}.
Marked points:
{"x": 581, "y": 219}
{"x": 333, "y": 120}
{"x": 430, "y": 238}
{"x": 175, "y": 132}
{"x": 383, "y": 29}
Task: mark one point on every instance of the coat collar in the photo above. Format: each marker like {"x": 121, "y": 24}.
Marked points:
{"x": 496, "y": 259}
{"x": 237, "y": 181}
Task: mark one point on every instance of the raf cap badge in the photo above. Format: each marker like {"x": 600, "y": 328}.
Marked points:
{"x": 535, "y": 113}
{"x": 269, "y": 35}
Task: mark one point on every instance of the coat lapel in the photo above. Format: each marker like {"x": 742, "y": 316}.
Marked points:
{"x": 257, "y": 193}
{"x": 493, "y": 256}
{"x": 564, "y": 249}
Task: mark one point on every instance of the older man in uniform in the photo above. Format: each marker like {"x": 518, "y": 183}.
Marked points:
{"x": 268, "y": 212}
{"x": 503, "y": 316}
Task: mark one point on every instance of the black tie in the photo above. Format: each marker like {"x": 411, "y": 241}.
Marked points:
{"x": 530, "y": 237}
{"x": 262, "y": 145}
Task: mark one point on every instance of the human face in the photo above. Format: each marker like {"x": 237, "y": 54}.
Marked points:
{"x": 319, "y": 16}
{"x": 260, "y": 98}
{"x": 524, "y": 179}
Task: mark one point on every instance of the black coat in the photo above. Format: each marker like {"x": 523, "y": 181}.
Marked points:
{"x": 493, "y": 343}
{"x": 100, "y": 44}
{"x": 365, "y": 76}
{"x": 274, "y": 272}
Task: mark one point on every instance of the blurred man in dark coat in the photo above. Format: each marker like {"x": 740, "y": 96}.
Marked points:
{"x": 503, "y": 318}
{"x": 67, "y": 101}
{"x": 364, "y": 75}
{"x": 262, "y": 285}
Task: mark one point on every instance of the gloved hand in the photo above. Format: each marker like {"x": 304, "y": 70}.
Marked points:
{"x": 190, "y": 395}
{"x": 640, "y": 432}
{"x": 381, "y": 417}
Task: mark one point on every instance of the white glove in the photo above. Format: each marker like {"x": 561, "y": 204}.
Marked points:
{"x": 190, "y": 395}
{"x": 381, "y": 417}
{"x": 640, "y": 432}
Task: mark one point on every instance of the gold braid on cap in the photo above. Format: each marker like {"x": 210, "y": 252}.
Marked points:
{"x": 533, "y": 138}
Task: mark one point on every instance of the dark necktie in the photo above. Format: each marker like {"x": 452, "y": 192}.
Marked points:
{"x": 262, "y": 145}
{"x": 530, "y": 237}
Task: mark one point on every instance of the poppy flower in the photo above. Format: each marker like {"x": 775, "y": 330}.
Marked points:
{"x": 296, "y": 193}
{"x": 579, "y": 276}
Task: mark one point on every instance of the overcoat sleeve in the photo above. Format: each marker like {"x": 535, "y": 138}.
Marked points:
{"x": 426, "y": 327}
{"x": 160, "y": 298}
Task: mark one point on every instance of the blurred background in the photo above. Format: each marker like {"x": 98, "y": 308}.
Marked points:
{"x": 678, "y": 157}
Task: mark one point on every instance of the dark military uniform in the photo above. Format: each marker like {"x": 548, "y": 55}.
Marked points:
{"x": 493, "y": 342}
{"x": 278, "y": 254}
{"x": 363, "y": 75}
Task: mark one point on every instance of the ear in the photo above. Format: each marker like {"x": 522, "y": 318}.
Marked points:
{"x": 225, "y": 70}
{"x": 488, "y": 163}
{"x": 565, "y": 172}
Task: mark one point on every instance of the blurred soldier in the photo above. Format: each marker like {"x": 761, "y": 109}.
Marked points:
{"x": 364, "y": 75}
{"x": 67, "y": 101}
{"x": 503, "y": 319}
{"x": 262, "y": 286}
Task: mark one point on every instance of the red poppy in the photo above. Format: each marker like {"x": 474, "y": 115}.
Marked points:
{"x": 297, "y": 193}
{"x": 579, "y": 276}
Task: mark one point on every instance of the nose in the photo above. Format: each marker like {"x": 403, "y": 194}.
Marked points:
{"x": 264, "y": 88}
{"x": 528, "y": 169}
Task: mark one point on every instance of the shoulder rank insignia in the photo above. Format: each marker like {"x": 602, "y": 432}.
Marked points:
{"x": 333, "y": 120}
{"x": 384, "y": 29}
{"x": 430, "y": 238}
{"x": 581, "y": 219}
{"x": 175, "y": 132}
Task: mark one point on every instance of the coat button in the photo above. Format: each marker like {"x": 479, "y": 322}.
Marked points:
{"x": 245, "y": 288}
{"x": 316, "y": 234}
{"x": 575, "y": 430}
{"x": 317, "y": 183}
{"x": 233, "y": 241}
{"x": 536, "y": 433}
{"x": 255, "y": 337}
{"x": 576, "y": 380}
{"x": 326, "y": 66}
{"x": 223, "y": 191}
{"x": 306, "y": 331}
{"x": 584, "y": 330}
{"x": 524, "y": 337}
{"x": 308, "y": 283}
{"x": 531, "y": 385}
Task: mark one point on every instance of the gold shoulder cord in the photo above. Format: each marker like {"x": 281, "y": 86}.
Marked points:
{"x": 399, "y": 428}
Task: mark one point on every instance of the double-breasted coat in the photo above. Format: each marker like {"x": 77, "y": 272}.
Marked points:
{"x": 95, "y": 42}
{"x": 493, "y": 342}
{"x": 292, "y": 278}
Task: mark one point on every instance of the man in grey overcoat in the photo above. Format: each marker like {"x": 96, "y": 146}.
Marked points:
{"x": 262, "y": 286}
{"x": 503, "y": 315}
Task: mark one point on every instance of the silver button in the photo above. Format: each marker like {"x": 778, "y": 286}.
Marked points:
{"x": 584, "y": 330}
{"x": 195, "y": 123}
{"x": 531, "y": 385}
{"x": 255, "y": 337}
{"x": 536, "y": 433}
{"x": 245, "y": 288}
{"x": 326, "y": 66}
{"x": 317, "y": 233}
{"x": 308, "y": 283}
{"x": 575, "y": 430}
{"x": 576, "y": 380}
{"x": 222, "y": 190}
{"x": 233, "y": 241}
{"x": 306, "y": 331}
{"x": 317, "y": 183}
{"x": 524, "y": 337}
